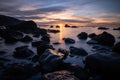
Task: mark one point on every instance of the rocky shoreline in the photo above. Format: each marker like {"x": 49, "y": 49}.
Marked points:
{"x": 46, "y": 63}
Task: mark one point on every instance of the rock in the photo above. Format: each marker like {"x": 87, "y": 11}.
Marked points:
{"x": 116, "y": 28}
{"x": 50, "y": 60}
{"x": 11, "y": 36}
{"x": 46, "y": 38}
{"x": 56, "y": 43}
{"x": 38, "y": 43}
{"x": 27, "y": 39}
{"x": 92, "y": 35}
{"x": 92, "y": 42}
{"x": 78, "y": 51}
{"x": 22, "y": 52}
{"x": 106, "y": 65}
{"x": 74, "y": 26}
{"x": 59, "y": 75}
{"x": 82, "y": 35}
{"x": 105, "y": 39}
{"x": 66, "y": 25}
{"x": 42, "y": 47}
{"x": 53, "y": 31}
{"x": 69, "y": 40}
{"x": 35, "y": 58}
{"x": 57, "y": 26}
{"x": 2, "y": 52}
{"x": 25, "y": 26}
{"x": 18, "y": 72}
{"x": 116, "y": 47}
{"x": 51, "y": 26}
{"x": 103, "y": 28}
{"x": 36, "y": 35}
{"x": 65, "y": 52}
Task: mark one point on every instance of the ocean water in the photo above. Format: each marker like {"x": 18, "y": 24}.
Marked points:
{"x": 64, "y": 33}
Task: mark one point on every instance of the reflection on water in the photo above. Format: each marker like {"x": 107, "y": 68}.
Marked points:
{"x": 61, "y": 34}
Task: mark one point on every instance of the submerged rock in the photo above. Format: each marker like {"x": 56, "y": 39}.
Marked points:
{"x": 78, "y": 51}
{"x": 53, "y": 31}
{"x": 116, "y": 28}
{"x": 92, "y": 42}
{"x": 82, "y": 35}
{"x": 50, "y": 60}
{"x": 59, "y": 75}
{"x": 56, "y": 43}
{"x": 69, "y": 40}
{"x": 67, "y": 26}
{"x": 22, "y": 52}
{"x": 116, "y": 47}
{"x": 105, "y": 39}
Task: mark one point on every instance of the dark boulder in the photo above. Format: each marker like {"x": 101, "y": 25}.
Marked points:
{"x": 56, "y": 43}
{"x": 92, "y": 35}
{"x": 116, "y": 28}
{"x": 103, "y": 28}
{"x": 38, "y": 43}
{"x": 46, "y": 38}
{"x": 106, "y": 65}
{"x": 116, "y": 47}
{"x": 35, "y": 58}
{"x": 57, "y": 26}
{"x": 69, "y": 40}
{"x": 42, "y": 47}
{"x": 25, "y": 26}
{"x": 65, "y": 52}
{"x": 53, "y": 31}
{"x": 26, "y": 39}
{"x": 11, "y": 36}
{"x": 105, "y": 39}
{"x": 40, "y": 31}
{"x": 92, "y": 42}
{"x": 50, "y": 60}
{"x": 66, "y": 25}
{"x": 82, "y": 35}
{"x": 78, "y": 51}
{"x": 22, "y": 52}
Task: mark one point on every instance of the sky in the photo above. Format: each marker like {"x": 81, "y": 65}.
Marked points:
{"x": 74, "y": 12}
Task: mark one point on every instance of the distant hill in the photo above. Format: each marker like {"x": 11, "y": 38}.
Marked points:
{"x": 6, "y": 20}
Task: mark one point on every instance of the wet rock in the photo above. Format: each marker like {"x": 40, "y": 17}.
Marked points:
{"x": 92, "y": 42}
{"x": 65, "y": 52}
{"x": 105, "y": 39}
{"x": 22, "y": 52}
{"x": 53, "y": 31}
{"x": 103, "y": 28}
{"x": 116, "y": 47}
{"x": 59, "y": 75}
{"x": 11, "y": 36}
{"x": 36, "y": 35}
{"x": 38, "y": 43}
{"x": 56, "y": 43}
{"x": 57, "y": 26}
{"x": 92, "y": 35}
{"x": 51, "y": 26}
{"x": 25, "y": 26}
{"x": 18, "y": 72}
{"x": 46, "y": 38}
{"x": 78, "y": 51}
{"x": 106, "y": 65}
{"x": 42, "y": 47}
{"x": 2, "y": 52}
{"x": 40, "y": 31}
{"x": 69, "y": 40}
{"x": 82, "y": 35}
{"x": 35, "y": 58}
{"x": 50, "y": 60}
{"x": 27, "y": 39}
{"x": 74, "y": 26}
{"x": 116, "y": 28}
{"x": 66, "y": 25}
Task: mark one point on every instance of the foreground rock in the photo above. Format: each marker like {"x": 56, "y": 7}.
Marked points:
{"x": 50, "y": 60}
{"x": 46, "y": 38}
{"x": 26, "y": 39}
{"x": 22, "y": 52}
{"x": 106, "y": 65}
{"x": 59, "y": 75}
{"x": 69, "y": 40}
{"x": 78, "y": 51}
{"x": 82, "y": 35}
{"x": 10, "y": 35}
{"x": 105, "y": 39}
{"x": 116, "y": 47}
{"x": 65, "y": 52}
{"x": 92, "y": 42}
